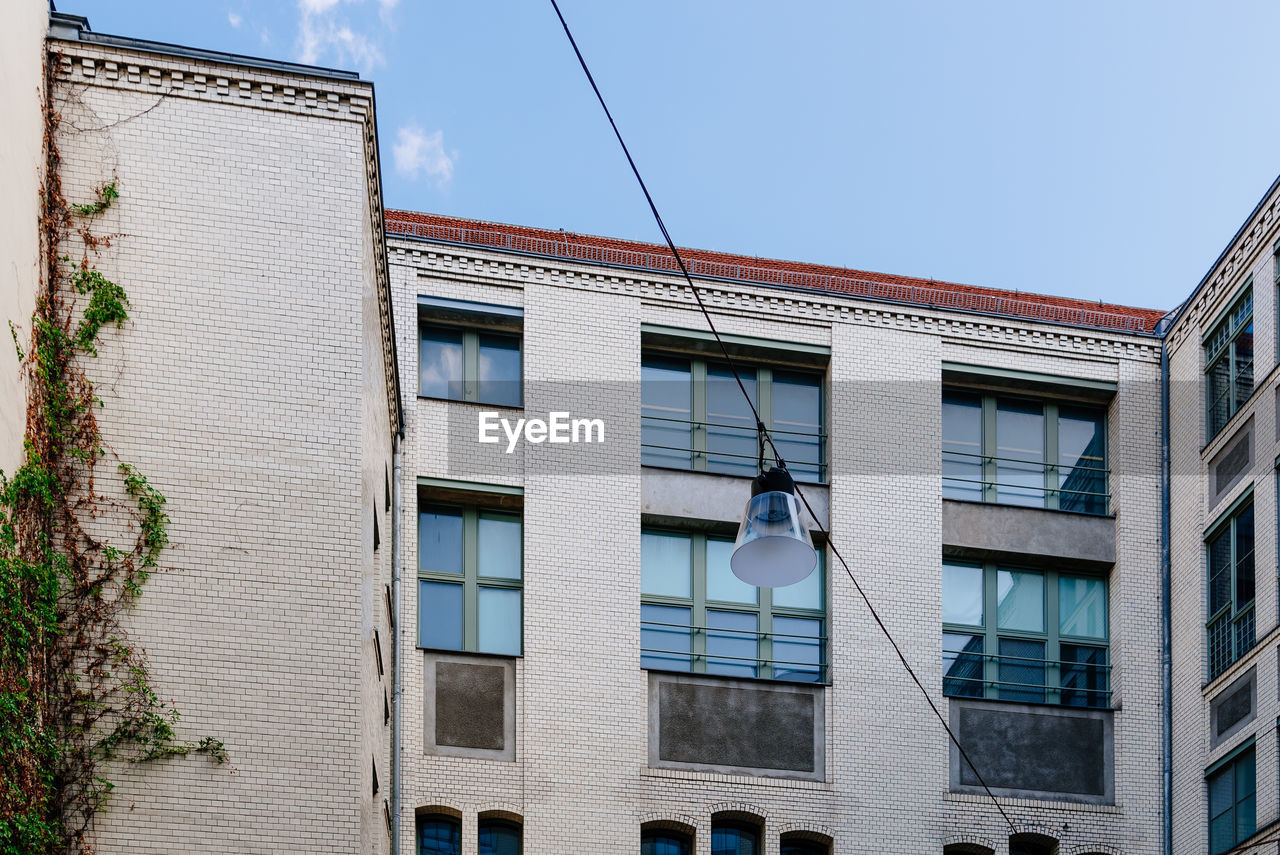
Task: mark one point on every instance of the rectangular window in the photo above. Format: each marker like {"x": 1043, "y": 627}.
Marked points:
{"x": 1233, "y": 811}
{"x": 1230, "y": 627}
{"x": 1023, "y": 451}
{"x": 1024, "y": 635}
{"x": 696, "y": 616}
{"x": 694, "y": 416}
{"x": 1228, "y": 362}
{"x": 470, "y": 570}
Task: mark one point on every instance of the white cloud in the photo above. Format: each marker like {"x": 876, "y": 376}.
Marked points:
{"x": 325, "y": 36}
{"x": 416, "y": 151}
{"x": 233, "y": 19}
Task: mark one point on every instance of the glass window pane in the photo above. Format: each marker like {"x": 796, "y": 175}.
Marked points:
{"x": 439, "y": 837}
{"x": 498, "y": 551}
{"x": 499, "y": 621}
{"x": 803, "y": 847}
{"x": 1244, "y": 557}
{"x": 805, "y": 594}
{"x": 1020, "y": 598}
{"x": 1084, "y": 676}
{"x": 666, "y": 401}
{"x": 1020, "y": 449}
{"x": 440, "y": 540}
{"x": 732, "y": 840}
{"x": 797, "y": 649}
{"x": 1082, "y": 461}
{"x": 1221, "y": 792}
{"x": 440, "y": 363}
{"x": 1218, "y": 382}
{"x": 499, "y": 839}
{"x": 498, "y": 373}
{"x": 961, "y": 446}
{"x": 1082, "y": 606}
{"x": 731, "y": 430}
{"x": 962, "y": 665}
{"x": 721, "y": 583}
{"x": 440, "y": 615}
{"x": 961, "y": 594}
{"x": 663, "y": 843}
{"x": 665, "y": 638}
{"x": 797, "y": 422}
{"x": 733, "y": 645}
{"x": 1021, "y": 670}
{"x": 1220, "y": 571}
{"x": 1222, "y": 834}
{"x": 1242, "y": 368}
{"x": 1246, "y": 818}
{"x": 666, "y": 564}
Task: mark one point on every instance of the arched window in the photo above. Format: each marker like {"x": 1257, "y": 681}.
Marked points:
{"x": 664, "y": 842}
{"x": 802, "y": 846}
{"x": 499, "y": 837}
{"x": 439, "y": 835}
{"x": 734, "y": 838}
{"x": 1030, "y": 843}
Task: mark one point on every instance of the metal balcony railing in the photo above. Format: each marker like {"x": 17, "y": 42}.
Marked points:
{"x": 1026, "y": 679}
{"x": 1083, "y": 489}
{"x": 697, "y": 654}
{"x": 729, "y": 448}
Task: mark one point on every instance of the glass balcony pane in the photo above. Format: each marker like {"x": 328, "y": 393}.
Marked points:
{"x": 499, "y": 546}
{"x": 666, "y": 401}
{"x": 440, "y": 615}
{"x": 805, "y": 594}
{"x": 1020, "y": 449}
{"x": 732, "y": 635}
{"x": 665, "y": 638}
{"x": 1084, "y": 676}
{"x": 798, "y": 659}
{"x": 440, "y": 363}
{"x": 1021, "y": 670}
{"x": 1082, "y": 461}
{"x": 962, "y": 665}
{"x": 732, "y": 447}
{"x": 961, "y": 446}
{"x": 961, "y": 594}
{"x": 722, "y": 585}
{"x": 797, "y": 422}
{"x": 666, "y": 562}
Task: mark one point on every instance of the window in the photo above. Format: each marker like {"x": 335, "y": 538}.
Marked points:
{"x": 694, "y": 416}
{"x": 1232, "y": 800}
{"x": 697, "y": 616}
{"x": 498, "y": 837}
{"x": 439, "y": 835}
{"x": 801, "y": 846}
{"x": 664, "y": 843}
{"x": 469, "y": 351}
{"x": 733, "y": 838}
{"x": 469, "y": 579}
{"x": 1024, "y": 635}
{"x": 1228, "y": 362}
{"x": 1022, "y": 451}
{"x": 1230, "y": 627}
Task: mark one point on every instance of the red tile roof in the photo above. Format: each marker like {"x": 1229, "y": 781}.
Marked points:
{"x": 792, "y": 274}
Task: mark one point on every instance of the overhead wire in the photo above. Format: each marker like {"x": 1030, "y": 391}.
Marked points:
{"x": 764, "y": 432}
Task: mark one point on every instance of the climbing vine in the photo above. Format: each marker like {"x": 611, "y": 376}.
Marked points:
{"x": 74, "y": 690}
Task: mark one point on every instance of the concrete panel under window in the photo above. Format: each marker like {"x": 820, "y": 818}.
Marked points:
{"x": 736, "y": 727}
{"x": 1234, "y": 707}
{"x": 1036, "y": 752}
{"x": 673, "y": 497}
{"x": 1232, "y": 463}
{"x": 469, "y": 706}
{"x": 979, "y": 531}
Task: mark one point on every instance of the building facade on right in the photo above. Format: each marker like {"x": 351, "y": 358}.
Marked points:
{"x": 1223, "y": 431}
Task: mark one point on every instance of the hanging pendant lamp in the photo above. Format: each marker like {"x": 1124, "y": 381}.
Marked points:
{"x": 773, "y": 548}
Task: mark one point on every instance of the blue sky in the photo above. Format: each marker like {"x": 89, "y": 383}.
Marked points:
{"x": 1097, "y": 150}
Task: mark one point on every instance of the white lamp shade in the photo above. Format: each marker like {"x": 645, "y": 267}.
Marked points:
{"x": 773, "y": 548}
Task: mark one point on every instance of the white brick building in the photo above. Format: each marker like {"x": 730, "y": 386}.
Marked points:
{"x": 558, "y": 660}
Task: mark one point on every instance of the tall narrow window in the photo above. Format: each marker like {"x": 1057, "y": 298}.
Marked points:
{"x": 664, "y": 842}
{"x": 499, "y": 837}
{"x": 1023, "y": 451}
{"x": 1232, "y": 788}
{"x": 439, "y": 835}
{"x": 697, "y": 616}
{"x": 1228, "y": 362}
{"x": 1230, "y": 626}
{"x": 733, "y": 838}
{"x": 1024, "y": 635}
{"x": 694, "y": 416}
{"x": 470, "y": 572}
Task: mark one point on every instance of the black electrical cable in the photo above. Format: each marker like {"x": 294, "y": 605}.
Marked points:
{"x": 763, "y": 431}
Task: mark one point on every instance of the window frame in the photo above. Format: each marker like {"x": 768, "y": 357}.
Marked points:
{"x": 1232, "y": 612}
{"x": 1053, "y": 638}
{"x": 470, "y": 579}
{"x": 471, "y": 330}
{"x": 699, "y": 452}
{"x": 1051, "y": 414}
{"x": 1227, "y": 765}
{"x": 1235, "y": 328}
{"x": 764, "y": 610}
